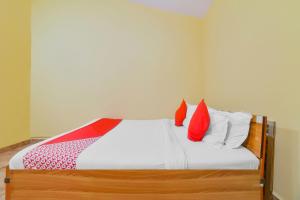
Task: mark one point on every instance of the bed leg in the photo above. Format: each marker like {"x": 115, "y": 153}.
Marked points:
{"x": 262, "y": 189}
{"x": 263, "y": 157}
{"x": 7, "y": 184}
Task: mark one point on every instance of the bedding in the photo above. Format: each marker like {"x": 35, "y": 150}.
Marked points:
{"x": 199, "y": 123}
{"x": 180, "y": 114}
{"x": 201, "y": 155}
{"x": 238, "y": 124}
{"x": 189, "y": 113}
{"x": 62, "y": 152}
{"x": 148, "y": 144}
{"x": 217, "y": 130}
{"x": 238, "y": 127}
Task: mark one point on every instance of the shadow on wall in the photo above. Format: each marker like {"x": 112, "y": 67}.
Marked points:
{"x": 286, "y": 150}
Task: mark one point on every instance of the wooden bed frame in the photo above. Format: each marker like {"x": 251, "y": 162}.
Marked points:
{"x": 145, "y": 184}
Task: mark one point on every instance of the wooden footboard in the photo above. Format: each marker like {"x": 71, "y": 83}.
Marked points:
{"x": 133, "y": 184}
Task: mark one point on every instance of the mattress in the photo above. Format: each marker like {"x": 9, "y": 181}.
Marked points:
{"x": 151, "y": 144}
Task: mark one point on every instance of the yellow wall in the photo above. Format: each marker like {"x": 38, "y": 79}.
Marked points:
{"x": 14, "y": 71}
{"x": 109, "y": 58}
{"x": 251, "y": 59}
{"x": 113, "y": 58}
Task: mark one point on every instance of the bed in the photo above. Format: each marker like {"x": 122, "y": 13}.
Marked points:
{"x": 142, "y": 159}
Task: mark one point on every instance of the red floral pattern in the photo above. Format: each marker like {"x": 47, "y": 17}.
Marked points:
{"x": 61, "y": 155}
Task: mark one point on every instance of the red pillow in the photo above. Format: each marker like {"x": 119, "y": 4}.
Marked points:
{"x": 199, "y": 123}
{"x": 180, "y": 114}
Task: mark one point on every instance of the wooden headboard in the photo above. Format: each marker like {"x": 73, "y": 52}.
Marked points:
{"x": 257, "y": 138}
{"x": 257, "y": 134}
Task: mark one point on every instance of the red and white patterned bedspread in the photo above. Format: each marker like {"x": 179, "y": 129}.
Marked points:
{"x": 62, "y": 152}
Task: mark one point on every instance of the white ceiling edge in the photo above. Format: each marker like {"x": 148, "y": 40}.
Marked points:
{"x": 196, "y": 8}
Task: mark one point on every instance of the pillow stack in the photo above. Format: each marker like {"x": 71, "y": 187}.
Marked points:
{"x": 198, "y": 120}
{"x": 238, "y": 127}
{"x": 214, "y": 127}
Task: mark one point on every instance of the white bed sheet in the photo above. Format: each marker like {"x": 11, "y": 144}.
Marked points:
{"x": 206, "y": 156}
{"x": 153, "y": 144}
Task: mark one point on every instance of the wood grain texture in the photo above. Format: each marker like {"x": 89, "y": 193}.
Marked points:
{"x": 7, "y": 185}
{"x": 256, "y": 136}
{"x": 269, "y": 171}
{"x": 146, "y": 184}
{"x": 2, "y": 176}
{"x": 20, "y": 145}
{"x": 135, "y": 184}
{"x": 257, "y": 142}
{"x": 5, "y": 156}
{"x": 263, "y": 148}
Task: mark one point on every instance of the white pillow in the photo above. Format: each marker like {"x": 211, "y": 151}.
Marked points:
{"x": 189, "y": 113}
{"x": 217, "y": 130}
{"x": 238, "y": 127}
{"x": 218, "y": 127}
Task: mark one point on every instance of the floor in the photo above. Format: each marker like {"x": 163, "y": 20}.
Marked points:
{"x": 4, "y": 159}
